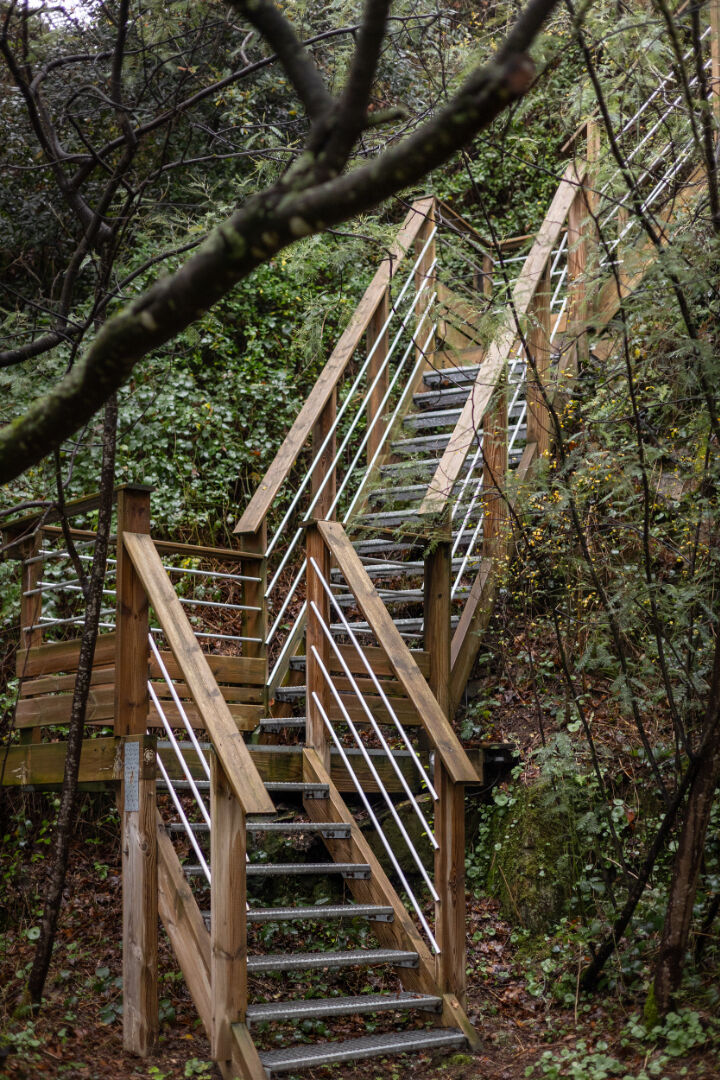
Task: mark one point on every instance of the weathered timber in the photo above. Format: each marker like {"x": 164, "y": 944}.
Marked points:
{"x": 257, "y": 509}
{"x": 386, "y": 633}
{"x": 219, "y": 723}
{"x": 62, "y": 656}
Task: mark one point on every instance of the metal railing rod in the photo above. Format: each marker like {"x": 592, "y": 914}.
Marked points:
{"x": 178, "y": 753}
{"x": 192, "y": 602}
{"x": 212, "y": 634}
{"x": 181, "y": 708}
{"x": 371, "y": 814}
{"x": 210, "y": 573}
{"x": 341, "y": 411}
{"x": 330, "y": 469}
{"x": 183, "y": 817}
{"x": 383, "y": 696}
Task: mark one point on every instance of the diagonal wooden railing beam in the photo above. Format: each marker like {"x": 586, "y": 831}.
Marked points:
{"x": 462, "y": 438}
{"x": 258, "y": 507}
{"x": 222, "y": 730}
{"x": 443, "y": 738}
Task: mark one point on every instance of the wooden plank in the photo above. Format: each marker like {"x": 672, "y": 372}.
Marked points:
{"x": 441, "y": 734}
{"x": 43, "y": 764}
{"x": 228, "y": 902}
{"x": 239, "y": 670}
{"x": 437, "y": 620}
{"x": 246, "y": 1063}
{"x": 246, "y": 695}
{"x": 262, "y": 500}
{"x": 169, "y": 547}
{"x": 462, "y": 438}
{"x": 219, "y": 723}
{"x": 60, "y": 656}
{"x": 316, "y": 644}
{"x": 139, "y": 898}
{"x": 84, "y": 505}
{"x": 184, "y": 925}
{"x": 378, "y": 661}
{"x": 131, "y": 621}
{"x": 403, "y": 708}
{"x": 55, "y": 684}
{"x": 399, "y": 934}
{"x": 56, "y": 709}
{"x": 377, "y": 343}
{"x": 254, "y": 623}
{"x": 450, "y": 884}
{"x": 495, "y": 463}
{"x": 245, "y": 717}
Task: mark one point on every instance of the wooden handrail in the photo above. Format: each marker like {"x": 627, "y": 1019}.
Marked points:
{"x": 461, "y": 440}
{"x": 328, "y": 379}
{"x": 445, "y": 741}
{"x": 228, "y": 742}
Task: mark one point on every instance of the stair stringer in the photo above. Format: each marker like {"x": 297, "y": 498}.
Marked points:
{"x": 183, "y": 922}
{"x": 399, "y": 934}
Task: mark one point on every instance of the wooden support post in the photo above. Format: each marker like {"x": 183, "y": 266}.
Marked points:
{"x": 582, "y": 243}
{"x": 487, "y": 275}
{"x": 132, "y": 648}
{"x": 254, "y": 623}
{"x": 139, "y": 896}
{"x": 377, "y": 338}
{"x": 228, "y": 920}
{"x": 450, "y": 884}
{"x": 450, "y": 807}
{"x": 137, "y": 795}
{"x": 437, "y": 619}
{"x": 316, "y": 736}
{"x": 538, "y": 420}
{"x": 325, "y": 465}
{"x": 494, "y": 438}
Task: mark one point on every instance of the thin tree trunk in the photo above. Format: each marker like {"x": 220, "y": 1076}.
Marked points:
{"x": 68, "y": 797}
{"x": 688, "y": 860}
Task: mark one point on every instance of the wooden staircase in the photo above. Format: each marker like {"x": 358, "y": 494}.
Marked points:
{"x": 276, "y": 718}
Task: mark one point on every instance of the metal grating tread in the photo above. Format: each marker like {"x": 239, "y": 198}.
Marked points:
{"x": 432, "y": 418}
{"x": 396, "y": 596}
{"x": 420, "y": 444}
{"x": 447, "y": 396}
{"x": 331, "y": 829}
{"x": 374, "y": 912}
{"x": 304, "y": 961}
{"x": 306, "y": 791}
{"x": 356, "y": 870}
{"x": 341, "y": 1006}
{"x": 405, "y": 626}
{"x": 289, "y": 693}
{"x": 452, "y": 376}
{"x": 396, "y": 1042}
{"x": 385, "y": 548}
{"x": 274, "y": 724}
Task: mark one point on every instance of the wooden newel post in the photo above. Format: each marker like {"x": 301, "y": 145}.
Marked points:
{"x": 377, "y": 344}
{"x": 254, "y": 623}
{"x": 538, "y": 420}
{"x": 137, "y": 795}
{"x": 581, "y": 247}
{"x": 317, "y": 603}
{"x": 450, "y": 807}
{"x": 495, "y": 460}
{"x": 228, "y": 918}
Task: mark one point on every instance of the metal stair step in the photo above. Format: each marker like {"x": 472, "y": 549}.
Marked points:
{"x": 280, "y": 723}
{"x": 412, "y": 627}
{"x": 288, "y": 787}
{"x": 421, "y": 444}
{"x": 412, "y": 568}
{"x": 289, "y": 694}
{"x": 348, "y": 870}
{"x": 373, "y": 912}
{"x": 395, "y": 596}
{"x": 452, "y": 376}
{"x": 387, "y": 519}
{"x": 179, "y": 827}
{"x": 295, "y": 1058}
{"x": 385, "y": 548}
{"x": 299, "y": 961}
{"x": 448, "y": 397}
{"x": 341, "y": 1006}
{"x": 435, "y": 418}
{"x": 330, "y": 829}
